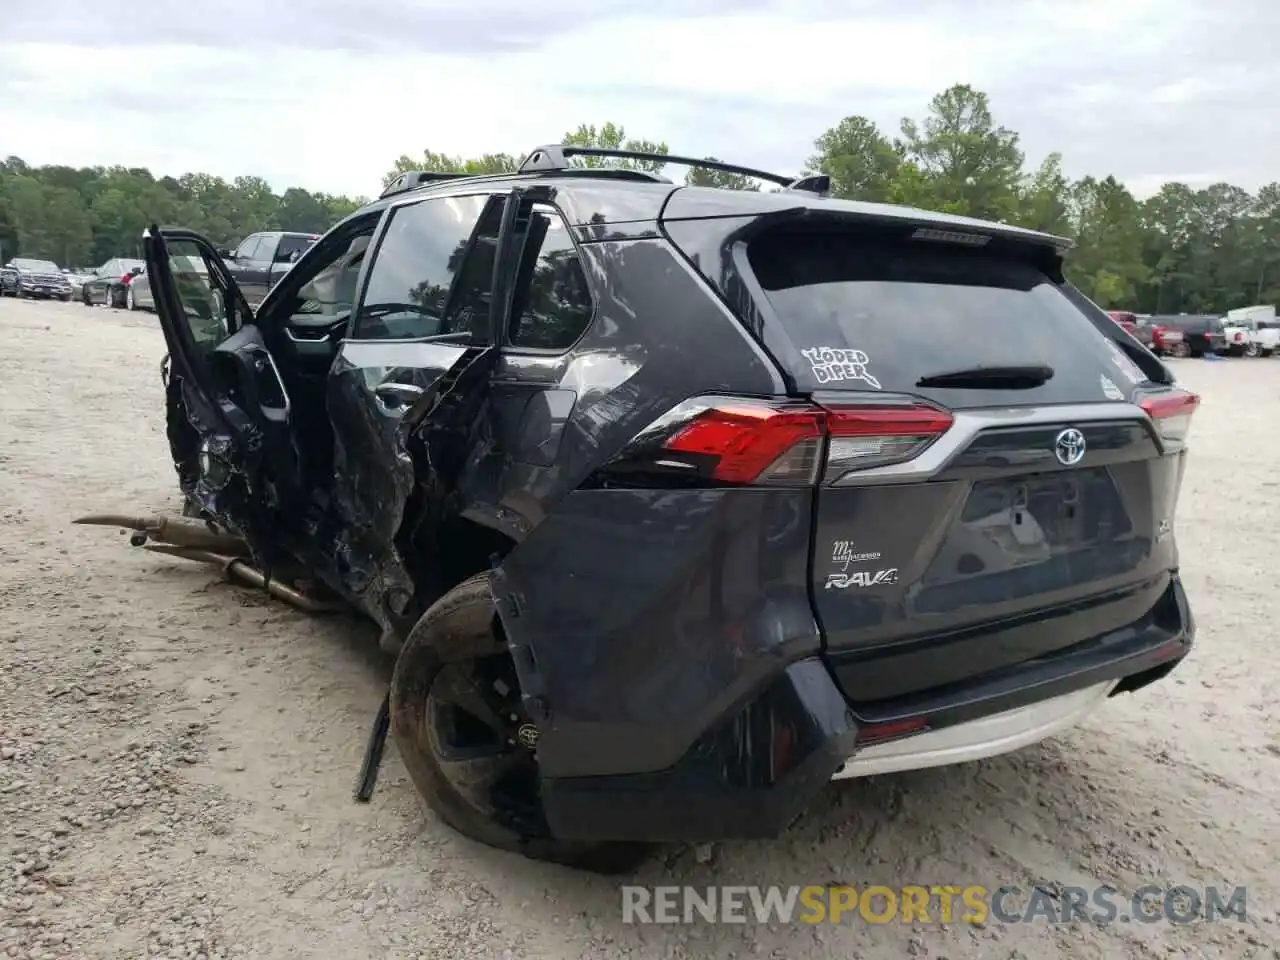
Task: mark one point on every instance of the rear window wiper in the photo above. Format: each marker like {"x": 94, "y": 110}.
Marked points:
{"x": 1004, "y": 377}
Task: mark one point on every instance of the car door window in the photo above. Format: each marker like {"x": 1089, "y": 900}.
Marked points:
{"x": 432, "y": 272}
{"x": 248, "y": 248}
{"x": 291, "y": 248}
{"x": 204, "y": 305}
{"x": 552, "y": 306}
{"x": 328, "y": 296}
{"x": 266, "y": 249}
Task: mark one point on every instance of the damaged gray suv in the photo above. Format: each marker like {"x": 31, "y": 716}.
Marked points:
{"x": 675, "y": 504}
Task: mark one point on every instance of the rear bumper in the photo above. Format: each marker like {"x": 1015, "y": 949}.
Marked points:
{"x": 753, "y": 773}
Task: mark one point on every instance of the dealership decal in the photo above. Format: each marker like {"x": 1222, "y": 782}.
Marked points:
{"x": 862, "y": 578}
{"x": 843, "y": 554}
{"x": 1110, "y": 390}
{"x": 837, "y": 364}
{"x": 1128, "y": 369}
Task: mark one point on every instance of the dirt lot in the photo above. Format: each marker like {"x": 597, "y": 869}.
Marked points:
{"x": 177, "y": 755}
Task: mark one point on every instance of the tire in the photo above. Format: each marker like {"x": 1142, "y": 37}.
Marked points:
{"x": 1181, "y": 349}
{"x": 128, "y": 299}
{"x": 457, "y": 641}
{"x": 1251, "y": 350}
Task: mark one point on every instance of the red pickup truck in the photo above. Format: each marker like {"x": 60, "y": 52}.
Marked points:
{"x": 1135, "y": 325}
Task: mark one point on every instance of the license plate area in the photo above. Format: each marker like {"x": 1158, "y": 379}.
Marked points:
{"x": 1043, "y": 514}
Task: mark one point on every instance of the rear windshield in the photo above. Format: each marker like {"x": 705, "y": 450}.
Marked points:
{"x": 289, "y": 246}
{"x": 878, "y": 315}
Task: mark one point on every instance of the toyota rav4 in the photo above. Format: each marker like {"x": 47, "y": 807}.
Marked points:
{"x": 675, "y": 504}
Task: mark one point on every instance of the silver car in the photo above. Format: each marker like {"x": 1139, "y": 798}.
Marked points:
{"x": 138, "y": 294}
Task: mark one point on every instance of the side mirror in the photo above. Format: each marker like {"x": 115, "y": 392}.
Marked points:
{"x": 135, "y": 271}
{"x": 226, "y": 254}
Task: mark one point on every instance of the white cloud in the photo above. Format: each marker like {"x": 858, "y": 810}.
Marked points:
{"x": 318, "y": 95}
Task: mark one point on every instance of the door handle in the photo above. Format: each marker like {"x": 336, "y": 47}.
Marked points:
{"x": 394, "y": 396}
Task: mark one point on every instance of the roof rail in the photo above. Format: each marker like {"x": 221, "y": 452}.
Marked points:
{"x": 416, "y": 178}
{"x": 556, "y": 157}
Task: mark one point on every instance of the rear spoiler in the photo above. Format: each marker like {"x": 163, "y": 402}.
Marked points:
{"x": 776, "y": 208}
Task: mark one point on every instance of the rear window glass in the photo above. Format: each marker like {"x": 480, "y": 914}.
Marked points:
{"x": 878, "y": 315}
{"x": 291, "y": 248}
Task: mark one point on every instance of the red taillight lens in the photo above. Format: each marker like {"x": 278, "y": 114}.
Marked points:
{"x": 754, "y": 443}
{"x": 1171, "y": 413}
{"x": 763, "y": 444}
{"x": 126, "y": 278}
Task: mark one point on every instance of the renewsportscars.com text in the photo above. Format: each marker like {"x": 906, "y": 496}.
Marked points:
{"x": 933, "y": 904}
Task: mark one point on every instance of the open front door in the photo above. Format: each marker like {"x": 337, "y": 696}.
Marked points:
{"x": 406, "y": 389}
{"x": 228, "y": 407}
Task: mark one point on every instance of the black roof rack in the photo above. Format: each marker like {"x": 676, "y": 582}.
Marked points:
{"x": 556, "y": 157}
{"x": 416, "y": 178}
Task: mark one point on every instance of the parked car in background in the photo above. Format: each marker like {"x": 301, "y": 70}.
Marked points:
{"x": 1137, "y": 325}
{"x": 1252, "y": 331}
{"x": 109, "y": 282}
{"x": 138, "y": 295}
{"x": 40, "y": 279}
{"x": 8, "y": 282}
{"x": 260, "y": 260}
{"x": 1124, "y": 318}
{"x": 77, "y": 279}
{"x": 1186, "y": 334}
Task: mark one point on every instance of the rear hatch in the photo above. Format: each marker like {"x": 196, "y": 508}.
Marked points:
{"x": 994, "y": 490}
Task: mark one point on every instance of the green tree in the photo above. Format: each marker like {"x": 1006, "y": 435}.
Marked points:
{"x": 859, "y": 159}
{"x": 486, "y": 164}
{"x": 613, "y": 136}
{"x": 705, "y": 177}
{"x": 1107, "y": 263}
{"x": 1044, "y": 200}
{"x": 970, "y": 165}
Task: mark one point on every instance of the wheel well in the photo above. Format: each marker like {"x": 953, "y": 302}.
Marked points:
{"x": 442, "y": 555}
{"x": 471, "y": 548}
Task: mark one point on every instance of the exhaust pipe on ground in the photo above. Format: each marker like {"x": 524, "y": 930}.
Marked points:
{"x": 237, "y": 568}
{"x": 169, "y": 530}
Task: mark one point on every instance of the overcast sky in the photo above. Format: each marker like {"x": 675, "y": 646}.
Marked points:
{"x": 326, "y": 93}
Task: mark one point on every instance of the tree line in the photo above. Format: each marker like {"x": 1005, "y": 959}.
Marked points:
{"x": 1180, "y": 250}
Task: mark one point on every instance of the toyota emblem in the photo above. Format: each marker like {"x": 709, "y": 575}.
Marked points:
{"x": 1069, "y": 447}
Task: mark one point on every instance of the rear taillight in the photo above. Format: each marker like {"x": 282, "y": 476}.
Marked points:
{"x": 878, "y": 436}
{"x": 1171, "y": 413}
{"x": 126, "y": 278}
{"x": 720, "y": 441}
{"x": 753, "y": 443}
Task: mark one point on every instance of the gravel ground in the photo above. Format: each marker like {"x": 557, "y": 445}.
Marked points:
{"x": 177, "y": 754}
